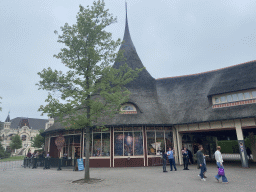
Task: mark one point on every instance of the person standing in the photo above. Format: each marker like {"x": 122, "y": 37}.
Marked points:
{"x": 185, "y": 158}
{"x": 170, "y": 154}
{"x": 219, "y": 162}
{"x": 164, "y": 161}
{"x": 190, "y": 156}
{"x": 248, "y": 151}
{"x": 200, "y": 162}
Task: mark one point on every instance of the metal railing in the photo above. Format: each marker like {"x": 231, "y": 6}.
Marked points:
{"x": 48, "y": 163}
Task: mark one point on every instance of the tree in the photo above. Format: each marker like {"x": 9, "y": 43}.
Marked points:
{"x": 91, "y": 90}
{"x": 38, "y": 140}
{"x": 16, "y": 142}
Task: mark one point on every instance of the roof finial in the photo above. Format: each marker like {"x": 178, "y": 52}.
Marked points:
{"x": 127, "y": 38}
{"x": 8, "y": 118}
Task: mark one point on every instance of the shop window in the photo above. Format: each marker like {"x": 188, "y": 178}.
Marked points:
{"x": 158, "y": 141}
{"x": 128, "y": 143}
{"x": 150, "y": 143}
{"x": 138, "y": 143}
{"x": 119, "y": 140}
{"x": 101, "y": 144}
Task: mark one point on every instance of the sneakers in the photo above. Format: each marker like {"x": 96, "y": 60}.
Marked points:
{"x": 203, "y": 179}
{"x": 225, "y": 182}
{"x": 217, "y": 180}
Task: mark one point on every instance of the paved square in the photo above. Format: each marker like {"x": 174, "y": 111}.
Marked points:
{"x": 128, "y": 179}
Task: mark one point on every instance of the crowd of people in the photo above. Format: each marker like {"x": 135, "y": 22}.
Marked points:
{"x": 201, "y": 162}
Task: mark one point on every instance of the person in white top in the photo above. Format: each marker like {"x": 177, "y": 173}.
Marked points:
{"x": 219, "y": 162}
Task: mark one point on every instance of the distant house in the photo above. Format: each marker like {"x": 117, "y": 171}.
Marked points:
{"x": 26, "y": 128}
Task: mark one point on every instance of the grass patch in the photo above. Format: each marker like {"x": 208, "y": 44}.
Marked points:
{"x": 16, "y": 158}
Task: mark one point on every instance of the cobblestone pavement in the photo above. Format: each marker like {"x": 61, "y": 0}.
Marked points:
{"x": 128, "y": 179}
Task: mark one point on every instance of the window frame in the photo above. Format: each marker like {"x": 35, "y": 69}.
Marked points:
{"x": 133, "y": 131}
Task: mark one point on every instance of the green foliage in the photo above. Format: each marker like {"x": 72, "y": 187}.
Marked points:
{"x": 91, "y": 88}
{"x": 3, "y": 153}
{"x": 38, "y": 140}
{"x": 230, "y": 146}
{"x": 16, "y": 142}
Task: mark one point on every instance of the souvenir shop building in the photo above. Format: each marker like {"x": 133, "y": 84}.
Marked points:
{"x": 167, "y": 112}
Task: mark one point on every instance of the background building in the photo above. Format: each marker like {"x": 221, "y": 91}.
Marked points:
{"x": 26, "y": 128}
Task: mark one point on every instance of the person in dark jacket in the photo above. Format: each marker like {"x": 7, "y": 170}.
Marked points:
{"x": 248, "y": 151}
{"x": 185, "y": 158}
{"x": 190, "y": 156}
{"x": 200, "y": 162}
{"x": 164, "y": 160}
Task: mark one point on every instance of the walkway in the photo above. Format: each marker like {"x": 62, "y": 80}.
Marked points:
{"x": 128, "y": 179}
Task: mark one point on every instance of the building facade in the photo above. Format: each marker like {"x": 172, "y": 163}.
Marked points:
{"x": 168, "y": 112}
{"x": 26, "y": 128}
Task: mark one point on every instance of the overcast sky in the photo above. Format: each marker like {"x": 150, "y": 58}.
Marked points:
{"x": 172, "y": 38}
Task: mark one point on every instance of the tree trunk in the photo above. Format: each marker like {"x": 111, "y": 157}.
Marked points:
{"x": 87, "y": 154}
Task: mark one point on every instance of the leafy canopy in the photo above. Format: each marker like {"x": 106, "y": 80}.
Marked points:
{"x": 90, "y": 90}
{"x": 38, "y": 140}
{"x": 16, "y": 142}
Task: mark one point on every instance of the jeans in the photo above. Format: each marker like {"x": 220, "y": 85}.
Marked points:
{"x": 203, "y": 169}
{"x": 224, "y": 178}
{"x": 164, "y": 164}
{"x": 172, "y": 163}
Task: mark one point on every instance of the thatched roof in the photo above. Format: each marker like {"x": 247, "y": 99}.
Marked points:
{"x": 180, "y": 100}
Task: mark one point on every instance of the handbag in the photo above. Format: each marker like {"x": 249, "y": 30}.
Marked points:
{"x": 221, "y": 172}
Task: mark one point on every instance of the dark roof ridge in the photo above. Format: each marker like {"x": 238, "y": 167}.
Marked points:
{"x": 207, "y": 71}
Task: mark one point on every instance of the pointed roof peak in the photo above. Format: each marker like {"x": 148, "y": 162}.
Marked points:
{"x": 127, "y": 37}
{"x": 8, "y": 118}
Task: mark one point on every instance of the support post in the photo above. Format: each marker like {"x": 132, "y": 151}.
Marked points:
{"x": 179, "y": 145}
{"x": 253, "y": 145}
{"x": 241, "y": 144}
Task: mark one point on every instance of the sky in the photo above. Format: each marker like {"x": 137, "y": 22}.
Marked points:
{"x": 172, "y": 38}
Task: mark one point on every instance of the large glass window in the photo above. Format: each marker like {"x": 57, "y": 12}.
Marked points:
{"x": 138, "y": 143}
{"x": 100, "y": 144}
{"x": 97, "y": 144}
{"x": 158, "y": 141}
{"x": 119, "y": 140}
{"x": 105, "y": 144}
{"x": 151, "y": 143}
{"x": 128, "y": 143}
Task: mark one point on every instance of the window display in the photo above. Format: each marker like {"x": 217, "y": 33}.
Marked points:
{"x": 157, "y": 141}
{"x": 138, "y": 143}
{"x": 118, "y": 144}
{"x": 128, "y": 143}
